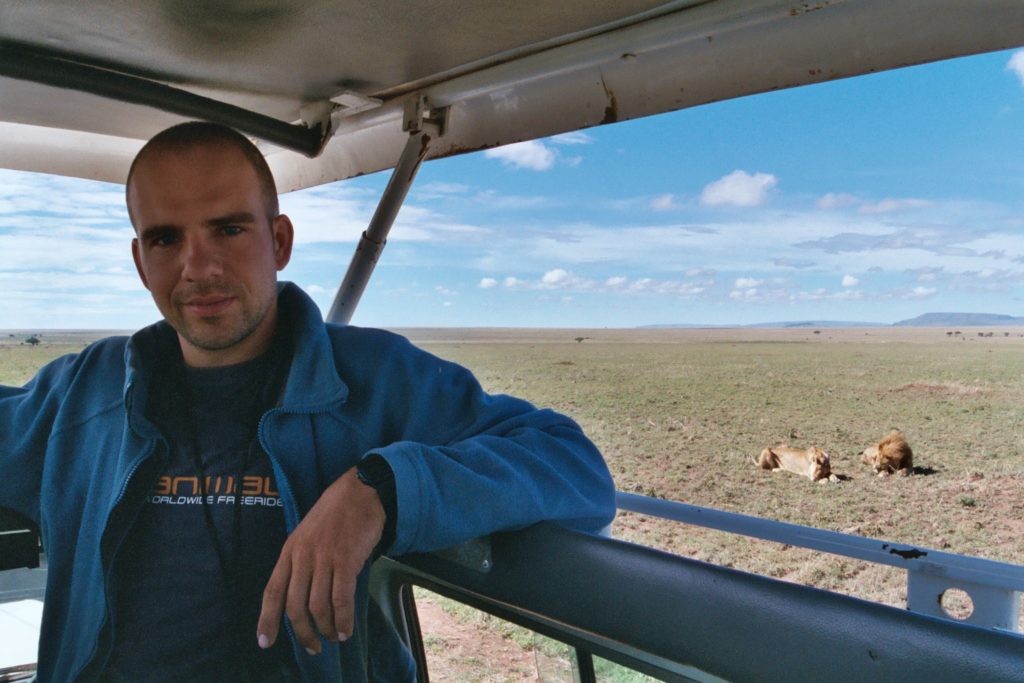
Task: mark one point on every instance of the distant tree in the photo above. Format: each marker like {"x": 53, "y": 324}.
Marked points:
{"x": 949, "y": 333}
{"x": 579, "y": 340}
{"x": 32, "y": 341}
{"x": 817, "y": 332}
{"x": 957, "y": 332}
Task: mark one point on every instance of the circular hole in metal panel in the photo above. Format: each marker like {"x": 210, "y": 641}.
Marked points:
{"x": 957, "y": 603}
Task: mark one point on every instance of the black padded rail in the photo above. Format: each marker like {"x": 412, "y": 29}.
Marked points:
{"x": 637, "y": 605}
{"x": 19, "y": 542}
{"x": 57, "y": 71}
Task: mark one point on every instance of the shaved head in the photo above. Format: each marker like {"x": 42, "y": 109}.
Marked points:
{"x": 193, "y": 134}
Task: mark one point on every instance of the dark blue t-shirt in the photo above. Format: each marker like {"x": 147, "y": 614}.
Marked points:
{"x": 186, "y": 604}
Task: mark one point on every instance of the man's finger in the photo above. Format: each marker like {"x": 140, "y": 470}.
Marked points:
{"x": 274, "y": 596}
{"x": 320, "y": 602}
{"x": 297, "y": 608}
{"x": 343, "y": 601}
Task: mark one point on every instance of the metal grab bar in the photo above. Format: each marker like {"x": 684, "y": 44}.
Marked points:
{"x": 994, "y": 587}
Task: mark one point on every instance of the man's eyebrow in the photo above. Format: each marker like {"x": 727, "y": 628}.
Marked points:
{"x": 152, "y": 231}
{"x": 231, "y": 219}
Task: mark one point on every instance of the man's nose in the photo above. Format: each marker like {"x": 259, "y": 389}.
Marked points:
{"x": 200, "y": 259}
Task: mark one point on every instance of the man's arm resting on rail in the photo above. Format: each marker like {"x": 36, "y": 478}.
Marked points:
{"x": 464, "y": 464}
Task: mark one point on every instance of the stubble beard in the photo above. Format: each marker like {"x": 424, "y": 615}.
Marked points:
{"x": 220, "y": 332}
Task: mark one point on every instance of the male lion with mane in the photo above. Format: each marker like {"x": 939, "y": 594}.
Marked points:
{"x": 891, "y": 455}
{"x": 811, "y": 462}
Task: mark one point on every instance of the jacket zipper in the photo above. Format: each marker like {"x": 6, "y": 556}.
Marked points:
{"x": 108, "y": 571}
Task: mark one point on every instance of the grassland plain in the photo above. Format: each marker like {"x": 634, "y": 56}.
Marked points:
{"x": 680, "y": 414}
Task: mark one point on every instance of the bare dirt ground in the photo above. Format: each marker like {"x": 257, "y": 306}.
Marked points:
{"x": 469, "y": 650}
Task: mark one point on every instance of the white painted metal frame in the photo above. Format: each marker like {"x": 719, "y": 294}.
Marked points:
{"x": 692, "y": 55}
{"x": 994, "y": 587}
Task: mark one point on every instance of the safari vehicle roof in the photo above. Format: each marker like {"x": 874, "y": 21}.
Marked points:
{"x": 83, "y": 84}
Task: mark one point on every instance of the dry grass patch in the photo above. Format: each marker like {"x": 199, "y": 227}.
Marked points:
{"x": 943, "y": 389}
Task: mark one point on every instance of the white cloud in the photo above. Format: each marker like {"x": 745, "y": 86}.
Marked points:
{"x": 442, "y": 189}
{"x": 487, "y": 283}
{"x": 850, "y": 281}
{"x": 665, "y": 202}
{"x": 315, "y": 289}
{"x": 561, "y": 279}
{"x": 920, "y": 293}
{"x": 747, "y": 283}
{"x": 739, "y": 188}
{"x": 338, "y": 213}
{"x": 699, "y": 272}
{"x": 447, "y": 304}
{"x": 890, "y": 205}
{"x": 555, "y": 277}
{"x": 495, "y": 200}
{"x": 573, "y": 138}
{"x": 532, "y": 154}
{"x": 744, "y": 294}
{"x": 822, "y": 294}
{"x": 833, "y": 200}
{"x": 444, "y": 291}
{"x": 1016, "y": 65}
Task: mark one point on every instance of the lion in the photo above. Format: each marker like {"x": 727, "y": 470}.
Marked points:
{"x": 811, "y": 462}
{"x": 892, "y": 455}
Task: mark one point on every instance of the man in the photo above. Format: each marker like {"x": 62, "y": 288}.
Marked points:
{"x": 241, "y": 462}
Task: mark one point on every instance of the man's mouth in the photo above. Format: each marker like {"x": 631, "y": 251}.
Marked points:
{"x": 208, "y": 306}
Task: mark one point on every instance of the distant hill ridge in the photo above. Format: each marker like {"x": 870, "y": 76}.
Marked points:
{"x": 960, "y": 320}
{"x": 926, "y": 320}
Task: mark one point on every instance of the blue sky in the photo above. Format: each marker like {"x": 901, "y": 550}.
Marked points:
{"x": 877, "y": 198}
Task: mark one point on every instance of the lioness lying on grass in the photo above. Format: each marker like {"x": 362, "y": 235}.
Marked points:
{"x": 891, "y": 455}
{"x": 811, "y": 462}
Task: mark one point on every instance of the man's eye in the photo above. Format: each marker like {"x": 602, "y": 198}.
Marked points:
{"x": 230, "y": 230}
{"x": 164, "y": 240}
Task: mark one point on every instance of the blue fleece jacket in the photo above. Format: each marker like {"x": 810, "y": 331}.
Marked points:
{"x": 78, "y": 455}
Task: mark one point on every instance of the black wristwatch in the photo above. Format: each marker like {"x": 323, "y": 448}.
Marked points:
{"x": 375, "y": 471}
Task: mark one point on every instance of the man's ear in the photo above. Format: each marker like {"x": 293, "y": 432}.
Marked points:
{"x": 137, "y": 257}
{"x": 284, "y": 235}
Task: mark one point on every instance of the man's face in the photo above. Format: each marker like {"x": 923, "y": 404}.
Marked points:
{"x": 207, "y": 252}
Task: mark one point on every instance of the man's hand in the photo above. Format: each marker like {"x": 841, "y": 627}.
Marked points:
{"x": 314, "y": 580}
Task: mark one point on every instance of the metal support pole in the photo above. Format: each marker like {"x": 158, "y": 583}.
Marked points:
{"x": 371, "y": 244}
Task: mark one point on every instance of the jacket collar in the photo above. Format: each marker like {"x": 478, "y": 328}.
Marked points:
{"x": 312, "y": 385}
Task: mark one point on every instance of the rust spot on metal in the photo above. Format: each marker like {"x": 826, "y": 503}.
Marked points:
{"x": 806, "y": 7}
{"x": 910, "y": 554}
{"x": 611, "y": 112}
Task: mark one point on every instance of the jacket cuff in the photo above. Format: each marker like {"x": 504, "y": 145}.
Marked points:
{"x": 374, "y": 471}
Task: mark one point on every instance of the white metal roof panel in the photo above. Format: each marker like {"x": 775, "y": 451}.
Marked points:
{"x": 505, "y": 71}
